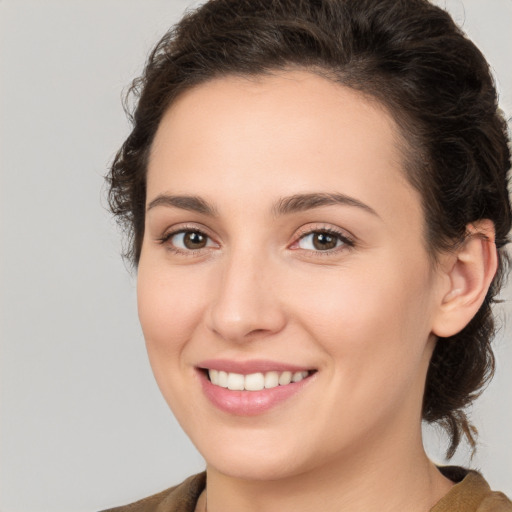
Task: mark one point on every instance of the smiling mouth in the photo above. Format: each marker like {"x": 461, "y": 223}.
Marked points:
{"x": 255, "y": 381}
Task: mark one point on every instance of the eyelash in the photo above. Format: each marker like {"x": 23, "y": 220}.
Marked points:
{"x": 346, "y": 242}
{"x": 165, "y": 240}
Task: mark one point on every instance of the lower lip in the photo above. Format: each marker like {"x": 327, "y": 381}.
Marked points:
{"x": 249, "y": 403}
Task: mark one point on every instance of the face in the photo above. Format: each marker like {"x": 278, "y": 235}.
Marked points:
{"x": 283, "y": 242}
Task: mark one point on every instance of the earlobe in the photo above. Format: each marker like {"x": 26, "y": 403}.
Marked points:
{"x": 470, "y": 271}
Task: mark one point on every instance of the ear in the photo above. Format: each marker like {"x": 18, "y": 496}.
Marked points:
{"x": 469, "y": 271}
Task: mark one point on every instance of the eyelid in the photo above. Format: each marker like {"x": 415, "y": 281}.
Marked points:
{"x": 349, "y": 241}
{"x": 184, "y": 228}
{"x": 179, "y": 228}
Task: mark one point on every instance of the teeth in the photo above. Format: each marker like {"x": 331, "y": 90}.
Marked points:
{"x": 285, "y": 378}
{"x": 223, "y": 379}
{"x": 271, "y": 379}
{"x": 236, "y": 381}
{"x": 297, "y": 376}
{"x": 254, "y": 381}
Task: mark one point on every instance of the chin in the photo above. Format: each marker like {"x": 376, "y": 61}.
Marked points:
{"x": 260, "y": 468}
{"x": 251, "y": 455}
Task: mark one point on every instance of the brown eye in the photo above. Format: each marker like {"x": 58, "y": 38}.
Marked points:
{"x": 194, "y": 240}
{"x": 321, "y": 241}
{"x": 324, "y": 241}
{"x": 190, "y": 240}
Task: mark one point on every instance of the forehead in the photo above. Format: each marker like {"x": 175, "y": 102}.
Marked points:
{"x": 286, "y": 104}
{"x": 280, "y": 134}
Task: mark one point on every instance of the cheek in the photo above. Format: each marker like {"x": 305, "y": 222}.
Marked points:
{"x": 169, "y": 310}
{"x": 374, "y": 333}
{"x": 373, "y": 319}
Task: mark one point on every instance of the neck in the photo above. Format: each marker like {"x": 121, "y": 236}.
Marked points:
{"x": 382, "y": 481}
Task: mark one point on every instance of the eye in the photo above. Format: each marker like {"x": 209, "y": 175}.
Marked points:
{"x": 322, "y": 240}
{"x": 188, "y": 240}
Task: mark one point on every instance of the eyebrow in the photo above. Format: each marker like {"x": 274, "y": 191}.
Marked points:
{"x": 303, "y": 202}
{"x": 190, "y": 203}
{"x": 284, "y": 206}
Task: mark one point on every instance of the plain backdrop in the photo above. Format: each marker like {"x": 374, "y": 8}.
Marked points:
{"x": 83, "y": 425}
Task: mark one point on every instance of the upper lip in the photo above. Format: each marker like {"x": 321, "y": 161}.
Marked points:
{"x": 252, "y": 366}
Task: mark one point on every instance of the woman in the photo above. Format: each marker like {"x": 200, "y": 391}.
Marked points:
{"x": 317, "y": 197}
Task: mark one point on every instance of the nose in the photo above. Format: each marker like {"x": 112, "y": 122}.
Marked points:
{"x": 245, "y": 304}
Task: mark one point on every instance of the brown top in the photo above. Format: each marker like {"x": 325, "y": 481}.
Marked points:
{"x": 471, "y": 493}
{"x": 180, "y": 498}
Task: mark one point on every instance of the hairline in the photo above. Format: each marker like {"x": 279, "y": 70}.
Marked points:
{"x": 409, "y": 164}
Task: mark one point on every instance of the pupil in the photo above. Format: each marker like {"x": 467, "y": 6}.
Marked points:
{"x": 194, "y": 240}
{"x": 324, "y": 241}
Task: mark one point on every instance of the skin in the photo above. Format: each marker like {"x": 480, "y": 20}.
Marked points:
{"x": 364, "y": 315}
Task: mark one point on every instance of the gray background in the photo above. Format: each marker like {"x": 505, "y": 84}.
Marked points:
{"x": 82, "y": 423}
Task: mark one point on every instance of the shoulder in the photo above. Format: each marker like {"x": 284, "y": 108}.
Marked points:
{"x": 495, "y": 502}
{"x": 471, "y": 493}
{"x": 180, "y": 498}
